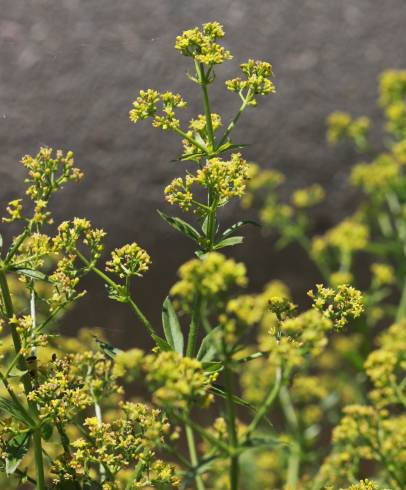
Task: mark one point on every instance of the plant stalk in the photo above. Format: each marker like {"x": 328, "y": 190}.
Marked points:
{"x": 9, "y": 310}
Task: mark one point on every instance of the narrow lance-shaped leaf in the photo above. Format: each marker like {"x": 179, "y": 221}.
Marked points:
{"x": 208, "y": 348}
{"x": 229, "y": 242}
{"x": 236, "y": 226}
{"x": 181, "y": 225}
{"x": 171, "y": 325}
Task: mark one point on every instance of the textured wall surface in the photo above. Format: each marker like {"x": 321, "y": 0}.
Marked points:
{"x": 70, "y": 68}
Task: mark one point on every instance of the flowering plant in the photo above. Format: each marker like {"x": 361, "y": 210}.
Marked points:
{"x": 68, "y": 420}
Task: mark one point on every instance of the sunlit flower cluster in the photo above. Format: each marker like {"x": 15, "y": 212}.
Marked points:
{"x": 128, "y": 260}
{"x": 130, "y": 440}
{"x": 226, "y": 179}
{"x": 256, "y": 80}
{"x": 339, "y": 304}
{"x": 201, "y": 44}
{"x": 211, "y": 278}
{"x": 177, "y": 382}
{"x": 147, "y": 104}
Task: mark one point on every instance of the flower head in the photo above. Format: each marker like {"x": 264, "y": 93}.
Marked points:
{"x": 339, "y": 304}
{"x": 201, "y": 44}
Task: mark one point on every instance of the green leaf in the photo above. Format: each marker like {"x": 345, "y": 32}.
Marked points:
{"x": 46, "y": 430}
{"x": 208, "y": 348}
{"x": 212, "y": 366}
{"x": 204, "y": 225}
{"x": 181, "y": 225}
{"x": 10, "y": 407}
{"x": 238, "y": 225}
{"x": 220, "y": 391}
{"x": 16, "y": 449}
{"x": 32, "y": 274}
{"x": 161, "y": 343}
{"x": 106, "y": 348}
{"x": 251, "y": 357}
{"x": 172, "y": 329}
{"x": 229, "y": 242}
{"x": 17, "y": 373}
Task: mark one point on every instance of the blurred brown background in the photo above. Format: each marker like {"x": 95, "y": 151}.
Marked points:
{"x": 70, "y": 69}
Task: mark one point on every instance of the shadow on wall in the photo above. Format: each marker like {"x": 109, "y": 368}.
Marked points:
{"x": 72, "y": 68}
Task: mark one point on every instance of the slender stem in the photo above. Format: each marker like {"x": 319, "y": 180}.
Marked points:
{"x": 114, "y": 285}
{"x": 142, "y": 317}
{"x": 266, "y": 404}
{"x": 194, "y": 327}
{"x": 193, "y": 455}
{"x": 99, "y": 417}
{"x": 190, "y": 139}
{"x": 233, "y": 123}
{"x": 401, "y": 312}
{"x": 202, "y": 77}
{"x": 293, "y": 423}
{"x": 232, "y": 430}
{"x": 8, "y": 304}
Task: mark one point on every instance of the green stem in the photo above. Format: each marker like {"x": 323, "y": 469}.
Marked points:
{"x": 193, "y": 455}
{"x": 190, "y": 139}
{"x": 233, "y": 123}
{"x": 99, "y": 417}
{"x": 115, "y": 286}
{"x": 401, "y": 312}
{"x": 8, "y": 305}
{"x": 142, "y": 318}
{"x": 206, "y": 103}
{"x": 232, "y": 430}
{"x": 293, "y": 423}
{"x": 194, "y": 327}
{"x": 266, "y": 404}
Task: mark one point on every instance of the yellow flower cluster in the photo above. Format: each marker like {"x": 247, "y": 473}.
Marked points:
{"x": 146, "y": 106}
{"x": 365, "y": 433}
{"x": 129, "y": 441}
{"x": 348, "y": 236}
{"x": 309, "y": 196}
{"x": 382, "y": 274}
{"x": 46, "y": 174}
{"x": 375, "y": 178}
{"x": 339, "y": 304}
{"x": 177, "y": 382}
{"x": 341, "y": 126}
{"x": 256, "y": 82}
{"x": 129, "y": 260}
{"x": 201, "y": 45}
{"x": 199, "y": 132}
{"x": 72, "y": 383}
{"x": 70, "y": 233}
{"x": 392, "y": 88}
{"x": 61, "y": 395}
{"x": 386, "y": 367}
{"x": 29, "y": 338}
{"x": 211, "y": 278}
{"x": 226, "y": 179}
